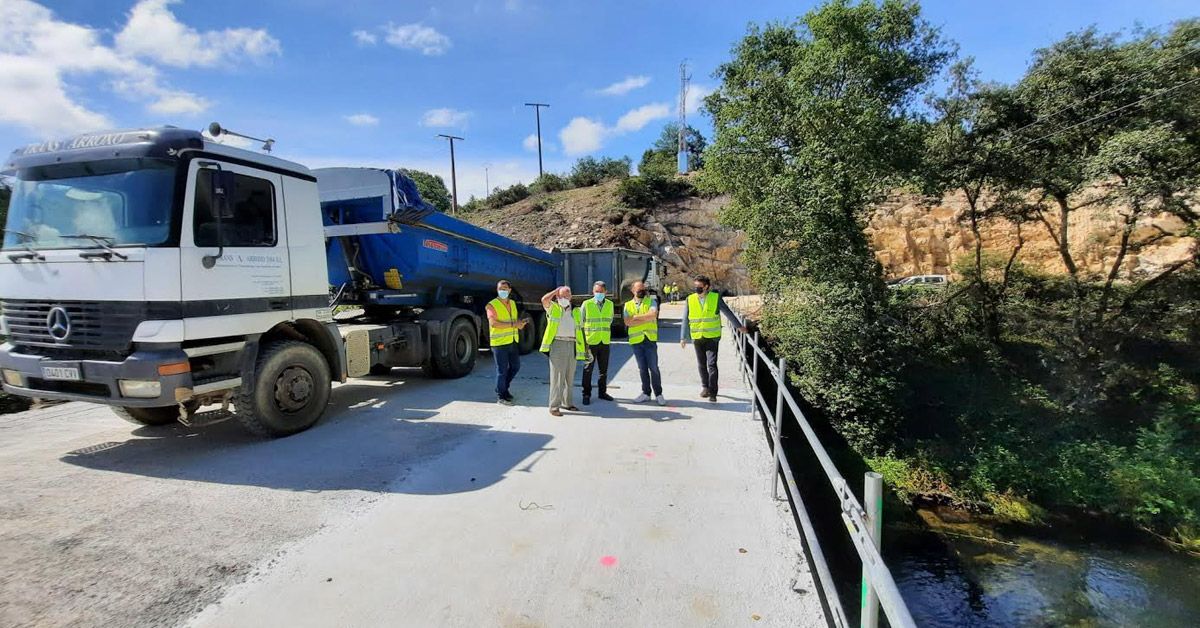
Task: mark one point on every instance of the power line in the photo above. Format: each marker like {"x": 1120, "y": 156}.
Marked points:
{"x": 1105, "y": 91}
{"x": 1110, "y": 112}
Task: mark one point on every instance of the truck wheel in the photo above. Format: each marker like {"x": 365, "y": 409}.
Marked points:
{"x": 461, "y": 349}
{"x": 165, "y": 415}
{"x": 289, "y": 392}
{"x": 527, "y": 339}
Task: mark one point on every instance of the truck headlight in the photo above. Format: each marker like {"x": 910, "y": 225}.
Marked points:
{"x": 140, "y": 388}
{"x": 14, "y": 378}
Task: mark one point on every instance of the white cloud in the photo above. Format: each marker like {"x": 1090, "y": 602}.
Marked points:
{"x": 365, "y": 38}
{"x": 418, "y": 37}
{"x": 625, "y": 86}
{"x": 585, "y": 135}
{"x": 154, "y": 33}
{"x": 179, "y": 103}
{"x": 582, "y": 136}
{"x": 444, "y": 118}
{"x": 362, "y": 119}
{"x": 40, "y": 54}
{"x": 695, "y": 97}
{"x": 637, "y": 119}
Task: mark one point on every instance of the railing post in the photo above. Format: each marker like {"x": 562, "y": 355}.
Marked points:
{"x": 777, "y": 427}
{"x": 754, "y": 377}
{"x": 873, "y": 504}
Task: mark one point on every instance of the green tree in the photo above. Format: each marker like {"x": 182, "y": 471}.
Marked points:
{"x": 813, "y": 122}
{"x": 662, "y": 158}
{"x": 431, "y": 187}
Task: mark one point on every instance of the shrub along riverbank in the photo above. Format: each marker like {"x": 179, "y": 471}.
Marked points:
{"x": 1007, "y": 390}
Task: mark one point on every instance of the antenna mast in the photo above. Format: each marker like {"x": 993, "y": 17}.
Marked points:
{"x": 684, "y": 77}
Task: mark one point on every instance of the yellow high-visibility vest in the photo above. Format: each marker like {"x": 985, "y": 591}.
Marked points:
{"x": 552, "y": 330}
{"x": 644, "y": 331}
{"x": 704, "y": 320}
{"x": 597, "y": 323}
{"x": 501, "y": 336}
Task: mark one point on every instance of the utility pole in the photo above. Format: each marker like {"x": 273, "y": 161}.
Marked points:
{"x": 453, "y": 176}
{"x": 537, "y": 112}
{"x": 486, "y": 181}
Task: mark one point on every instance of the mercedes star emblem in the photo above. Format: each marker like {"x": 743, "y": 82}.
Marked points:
{"x": 58, "y": 323}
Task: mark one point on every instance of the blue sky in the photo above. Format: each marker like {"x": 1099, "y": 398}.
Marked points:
{"x": 372, "y": 82}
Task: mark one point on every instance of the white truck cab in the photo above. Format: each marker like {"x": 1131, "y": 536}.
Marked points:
{"x": 156, "y": 270}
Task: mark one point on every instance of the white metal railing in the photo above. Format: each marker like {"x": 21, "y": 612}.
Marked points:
{"x": 863, "y": 524}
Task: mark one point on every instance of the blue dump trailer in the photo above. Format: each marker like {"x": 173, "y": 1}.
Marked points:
{"x": 399, "y": 261}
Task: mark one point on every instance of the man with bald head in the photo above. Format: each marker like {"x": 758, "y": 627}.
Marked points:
{"x": 563, "y": 344}
{"x": 641, "y": 319}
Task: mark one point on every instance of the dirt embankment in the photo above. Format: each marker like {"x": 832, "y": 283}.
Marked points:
{"x": 687, "y": 234}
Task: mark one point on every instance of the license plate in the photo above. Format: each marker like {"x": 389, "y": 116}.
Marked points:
{"x": 61, "y": 373}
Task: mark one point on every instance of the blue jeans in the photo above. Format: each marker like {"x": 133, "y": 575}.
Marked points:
{"x": 646, "y": 354}
{"x": 508, "y": 362}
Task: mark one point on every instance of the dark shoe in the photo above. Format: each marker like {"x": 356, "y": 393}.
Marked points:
{"x": 712, "y": 398}
{"x": 504, "y": 401}
{"x": 555, "y": 412}
{"x": 510, "y": 397}
{"x": 587, "y": 401}
{"x": 605, "y": 396}
{"x": 572, "y": 408}
{"x": 704, "y": 392}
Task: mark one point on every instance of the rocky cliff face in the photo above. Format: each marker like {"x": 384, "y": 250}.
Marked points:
{"x": 686, "y": 235}
{"x": 913, "y": 237}
{"x": 910, "y": 235}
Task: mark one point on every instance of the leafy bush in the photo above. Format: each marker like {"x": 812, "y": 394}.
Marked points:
{"x": 591, "y": 171}
{"x": 646, "y": 191}
{"x": 507, "y": 196}
{"x": 549, "y": 183}
{"x": 431, "y": 188}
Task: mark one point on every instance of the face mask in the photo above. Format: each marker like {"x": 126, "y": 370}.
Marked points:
{"x": 599, "y": 297}
{"x": 700, "y": 289}
{"x": 564, "y": 302}
{"x": 641, "y": 294}
{"x": 503, "y": 293}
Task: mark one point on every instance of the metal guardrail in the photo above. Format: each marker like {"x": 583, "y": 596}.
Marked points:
{"x": 863, "y": 524}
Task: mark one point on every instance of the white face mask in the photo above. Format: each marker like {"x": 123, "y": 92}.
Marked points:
{"x": 564, "y": 302}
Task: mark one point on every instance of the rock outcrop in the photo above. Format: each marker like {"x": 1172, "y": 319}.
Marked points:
{"x": 913, "y": 237}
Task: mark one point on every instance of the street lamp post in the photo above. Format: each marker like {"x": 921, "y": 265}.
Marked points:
{"x": 537, "y": 112}
{"x": 453, "y": 176}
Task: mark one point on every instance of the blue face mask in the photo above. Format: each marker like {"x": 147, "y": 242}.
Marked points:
{"x": 599, "y": 297}
{"x": 503, "y": 293}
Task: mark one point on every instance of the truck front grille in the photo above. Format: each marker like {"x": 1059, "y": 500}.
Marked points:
{"x": 96, "y": 327}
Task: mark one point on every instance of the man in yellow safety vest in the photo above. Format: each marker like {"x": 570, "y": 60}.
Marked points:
{"x": 641, "y": 319}
{"x": 702, "y": 323}
{"x": 563, "y": 344}
{"x": 504, "y": 326}
{"x": 597, "y": 332}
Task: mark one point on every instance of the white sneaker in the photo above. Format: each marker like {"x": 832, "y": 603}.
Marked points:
{"x": 642, "y": 398}
{"x": 661, "y": 400}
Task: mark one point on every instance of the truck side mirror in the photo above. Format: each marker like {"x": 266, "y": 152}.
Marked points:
{"x": 222, "y": 184}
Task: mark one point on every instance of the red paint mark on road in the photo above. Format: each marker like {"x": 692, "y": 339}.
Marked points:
{"x": 608, "y": 561}
{"x": 649, "y": 454}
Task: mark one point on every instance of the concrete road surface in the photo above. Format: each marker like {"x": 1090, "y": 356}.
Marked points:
{"x": 413, "y": 503}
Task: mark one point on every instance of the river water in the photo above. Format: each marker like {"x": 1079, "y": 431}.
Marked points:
{"x": 968, "y": 574}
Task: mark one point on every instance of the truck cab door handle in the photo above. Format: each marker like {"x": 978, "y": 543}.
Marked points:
{"x": 279, "y": 304}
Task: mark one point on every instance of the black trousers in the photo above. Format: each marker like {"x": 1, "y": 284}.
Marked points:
{"x": 600, "y": 355}
{"x": 706, "y": 362}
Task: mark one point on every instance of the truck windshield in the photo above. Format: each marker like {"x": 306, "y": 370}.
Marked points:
{"x": 123, "y": 202}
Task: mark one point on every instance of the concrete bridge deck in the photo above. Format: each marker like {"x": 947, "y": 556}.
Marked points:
{"x": 414, "y": 503}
